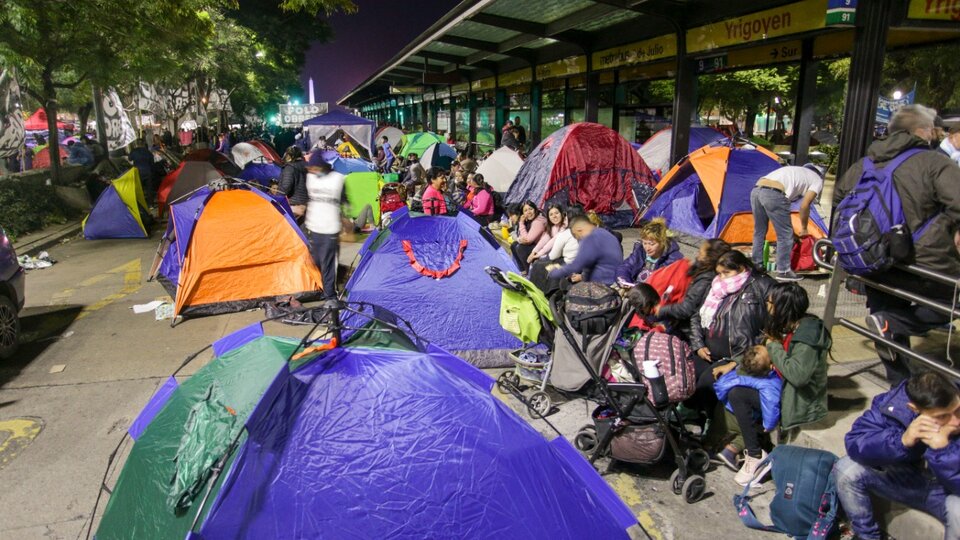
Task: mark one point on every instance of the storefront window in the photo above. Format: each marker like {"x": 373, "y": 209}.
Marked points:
{"x": 552, "y": 114}
{"x": 486, "y": 128}
{"x": 463, "y": 125}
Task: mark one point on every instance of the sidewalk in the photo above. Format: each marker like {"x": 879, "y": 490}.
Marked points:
{"x": 35, "y": 242}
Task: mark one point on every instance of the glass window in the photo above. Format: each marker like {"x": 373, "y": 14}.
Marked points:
{"x": 462, "y": 120}
{"x": 550, "y": 121}
{"x": 605, "y": 116}
{"x": 486, "y": 126}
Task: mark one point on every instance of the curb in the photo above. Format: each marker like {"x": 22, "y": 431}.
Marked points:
{"x": 48, "y": 240}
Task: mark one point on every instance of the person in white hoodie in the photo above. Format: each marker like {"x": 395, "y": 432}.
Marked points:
{"x": 950, "y": 145}
{"x": 322, "y": 222}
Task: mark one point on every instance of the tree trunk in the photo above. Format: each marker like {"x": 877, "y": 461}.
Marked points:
{"x": 83, "y": 115}
{"x": 751, "y": 117}
{"x": 50, "y": 108}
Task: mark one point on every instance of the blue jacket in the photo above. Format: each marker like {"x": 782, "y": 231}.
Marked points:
{"x": 631, "y": 267}
{"x": 874, "y": 440}
{"x": 596, "y": 260}
{"x": 769, "y": 388}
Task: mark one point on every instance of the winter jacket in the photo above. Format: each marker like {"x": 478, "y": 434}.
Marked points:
{"x": 481, "y": 204}
{"x": 530, "y": 234}
{"x": 545, "y": 244}
{"x": 631, "y": 267}
{"x": 597, "y": 257}
{"x": 875, "y": 440}
{"x": 927, "y": 184}
{"x": 769, "y": 388}
{"x": 683, "y": 310}
{"x": 293, "y": 182}
{"x": 804, "y": 368}
{"x": 740, "y": 317}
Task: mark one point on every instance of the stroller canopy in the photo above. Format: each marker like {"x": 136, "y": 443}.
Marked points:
{"x": 429, "y": 270}
{"x": 444, "y": 458}
{"x": 707, "y": 194}
{"x": 120, "y": 211}
{"x": 359, "y": 128}
{"x": 228, "y": 251}
{"x": 500, "y": 169}
{"x": 656, "y": 151}
{"x": 587, "y": 164}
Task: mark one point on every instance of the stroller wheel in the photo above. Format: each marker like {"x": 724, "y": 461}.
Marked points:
{"x": 698, "y": 461}
{"x": 677, "y": 481}
{"x": 505, "y": 381}
{"x": 586, "y": 440}
{"x": 538, "y": 404}
{"x": 694, "y": 488}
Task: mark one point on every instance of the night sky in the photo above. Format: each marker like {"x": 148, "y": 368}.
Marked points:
{"x": 365, "y": 41}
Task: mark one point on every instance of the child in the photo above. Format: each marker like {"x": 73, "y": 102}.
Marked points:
{"x": 643, "y": 299}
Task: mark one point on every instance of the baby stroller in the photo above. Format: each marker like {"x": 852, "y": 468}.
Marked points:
{"x": 627, "y": 426}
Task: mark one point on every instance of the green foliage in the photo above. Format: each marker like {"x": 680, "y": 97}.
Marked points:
{"x": 27, "y": 206}
{"x": 933, "y": 69}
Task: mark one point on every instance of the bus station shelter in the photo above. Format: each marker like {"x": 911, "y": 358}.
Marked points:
{"x": 556, "y": 62}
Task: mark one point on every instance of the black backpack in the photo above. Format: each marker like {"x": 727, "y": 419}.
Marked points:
{"x": 592, "y": 307}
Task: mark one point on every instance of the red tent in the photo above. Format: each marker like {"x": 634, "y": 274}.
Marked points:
{"x": 219, "y": 160}
{"x": 267, "y": 151}
{"x": 41, "y": 160}
{"x": 38, "y": 122}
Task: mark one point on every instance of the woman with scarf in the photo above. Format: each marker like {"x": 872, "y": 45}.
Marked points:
{"x": 730, "y": 321}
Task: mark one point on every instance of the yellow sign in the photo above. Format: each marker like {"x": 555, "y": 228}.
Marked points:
{"x": 483, "y": 84}
{"x": 636, "y": 53}
{"x": 513, "y": 78}
{"x": 660, "y": 70}
{"x": 561, "y": 68}
{"x": 787, "y": 51}
{"x": 771, "y": 23}
{"x": 461, "y": 88}
{"x": 937, "y": 10}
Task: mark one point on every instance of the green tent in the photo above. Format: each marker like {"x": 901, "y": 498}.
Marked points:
{"x": 416, "y": 143}
{"x": 361, "y": 189}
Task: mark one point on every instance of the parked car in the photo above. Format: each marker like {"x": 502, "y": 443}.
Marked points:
{"x": 11, "y": 296}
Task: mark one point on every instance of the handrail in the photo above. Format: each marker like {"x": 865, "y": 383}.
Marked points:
{"x": 824, "y": 246}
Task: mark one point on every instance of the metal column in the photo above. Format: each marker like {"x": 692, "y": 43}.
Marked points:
{"x": 591, "y": 105}
{"x": 684, "y": 102}
{"x": 500, "y": 113}
{"x": 472, "y": 103}
{"x": 453, "y": 113}
{"x": 536, "y": 113}
{"x": 806, "y": 104}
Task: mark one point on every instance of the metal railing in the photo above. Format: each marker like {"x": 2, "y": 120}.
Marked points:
{"x": 824, "y": 246}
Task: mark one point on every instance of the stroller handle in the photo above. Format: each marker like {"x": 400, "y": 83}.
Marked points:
{"x": 500, "y": 278}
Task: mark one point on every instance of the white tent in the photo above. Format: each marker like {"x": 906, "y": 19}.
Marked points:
{"x": 360, "y": 129}
{"x": 392, "y": 134}
{"x": 500, "y": 169}
{"x": 244, "y": 153}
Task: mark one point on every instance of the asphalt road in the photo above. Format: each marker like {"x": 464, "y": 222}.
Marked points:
{"x": 89, "y": 364}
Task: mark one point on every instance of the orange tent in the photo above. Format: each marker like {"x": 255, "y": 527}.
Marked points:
{"x": 228, "y": 251}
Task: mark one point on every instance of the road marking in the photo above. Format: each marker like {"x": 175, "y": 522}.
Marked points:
{"x": 626, "y": 487}
{"x": 15, "y": 435}
{"x": 132, "y": 272}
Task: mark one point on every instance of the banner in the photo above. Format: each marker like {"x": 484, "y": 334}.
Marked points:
{"x": 11, "y": 117}
{"x": 150, "y": 100}
{"x": 296, "y": 115}
{"x": 219, "y": 101}
{"x": 176, "y": 102}
{"x": 886, "y": 107}
{"x": 119, "y": 130}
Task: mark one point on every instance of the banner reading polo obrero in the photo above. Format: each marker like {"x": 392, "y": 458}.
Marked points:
{"x": 886, "y": 107}
{"x": 11, "y": 128}
{"x": 770, "y": 23}
{"x": 119, "y": 130}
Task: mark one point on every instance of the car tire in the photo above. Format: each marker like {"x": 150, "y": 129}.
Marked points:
{"x": 9, "y": 328}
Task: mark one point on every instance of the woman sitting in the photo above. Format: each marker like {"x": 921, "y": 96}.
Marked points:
{"x": 480, "y": 201}
{"x": 677, "y": 316}
{"x": 530, "y": 227}
{"x": 654, "y": 250}
{"x": 433, "y": 200}
{"x": 730, "y": 321}
{"x": 797, "y": 346}
{"x": 556, "y": 223}
{"x": 563, "y": 250}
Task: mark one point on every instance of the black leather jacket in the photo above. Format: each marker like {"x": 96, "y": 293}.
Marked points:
{"x": 293, "y": 182}
{"x": 741, "y": 318}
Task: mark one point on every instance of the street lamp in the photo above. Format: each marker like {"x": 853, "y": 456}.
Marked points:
{"x": 897, "y": 94}
{"x": 260, "y": 54}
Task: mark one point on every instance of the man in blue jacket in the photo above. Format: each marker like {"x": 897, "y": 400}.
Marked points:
{"x": 905, "y": 449}
{"x": 597, "y": 258}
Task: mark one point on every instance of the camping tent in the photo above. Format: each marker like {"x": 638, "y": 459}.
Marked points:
{"x": 246, "y": 152}
{"x": 350, "y": 165}
{"x": 218, "y": 159}
{"x": 445, "y": 458}
{"x": 587, "y": 164}
{"x": 41, "y": 160}
{"x": 361, "y": 189}
{"x": 359, "y": 128}
{"x": 500, "y": 169}
{"x": 656, "y": 151}
{"x": 120, "y": 210}
{"x": 417, "y": 143}
{"x": 438, "y": 155}
{"x": 429, "y": 270}
{"x": 393, "y": 135}
{"x": 38, "y": 122}
{"x": 707, "y": 194}
{"x": 227, "y": 251}
{"x": 187, "y": 177}
{"x": 261, "y": 173}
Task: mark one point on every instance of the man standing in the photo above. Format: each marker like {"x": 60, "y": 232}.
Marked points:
{"x": 905, "y": 449}
{"x": 927, "y": 184}
{"x": 771, "y": 200}
{"x": 521, "y": 132}
{"x": 325, "y": 191}
{"x": 598, "y": 256}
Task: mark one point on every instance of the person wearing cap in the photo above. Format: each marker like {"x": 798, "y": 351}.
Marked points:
{"x": 771, "y": 200}
{"x": 950, "y": 145}
{"x": 322, "y": 222}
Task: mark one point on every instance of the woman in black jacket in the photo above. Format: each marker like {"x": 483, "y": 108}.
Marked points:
{"x": 293, "y": 181}
{"x": 677, "y": 316}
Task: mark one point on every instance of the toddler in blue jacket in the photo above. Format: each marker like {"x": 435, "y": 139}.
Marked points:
{"x": 756, "y": 371}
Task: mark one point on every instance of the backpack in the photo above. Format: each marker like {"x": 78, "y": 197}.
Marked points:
{"x": 805, "y": 504}
{"x": 592, "y": 307}
{"x": 675, "y": 364}
{"x": 870, "y": 233}
{"x": 498, "y": 206}
{"x": 801, "y": 257}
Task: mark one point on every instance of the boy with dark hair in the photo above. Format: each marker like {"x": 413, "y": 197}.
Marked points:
{"x": 905, "y": 449}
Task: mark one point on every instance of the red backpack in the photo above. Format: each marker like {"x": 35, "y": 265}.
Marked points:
{"x": 801, "y": 258}
{"x": 671, "y": 283}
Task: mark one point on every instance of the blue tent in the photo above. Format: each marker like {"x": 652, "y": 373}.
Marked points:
{"x": 438, "y": 155}
{"x": 656, "y": 150}
{"x": 120, "y": 211}
{"x": 429, "y": 271}
{"x": 350, "y": 165}
{"x": 261, "y": 173}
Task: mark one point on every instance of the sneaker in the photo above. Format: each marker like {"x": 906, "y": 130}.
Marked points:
{"x": 751, "y": 472}
{"x": 789, "y": 275}
{"x": 729, "y": 456}
{"x": 878, "y": 324}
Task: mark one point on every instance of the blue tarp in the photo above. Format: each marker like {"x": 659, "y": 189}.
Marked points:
{"x": 459, "y": 312}
{"x": 376, "y": 443}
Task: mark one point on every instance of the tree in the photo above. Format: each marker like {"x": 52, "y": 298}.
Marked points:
{"x": 932, "y": 69}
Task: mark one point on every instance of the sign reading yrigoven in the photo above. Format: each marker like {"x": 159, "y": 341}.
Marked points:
{"x": 294, "y": 115}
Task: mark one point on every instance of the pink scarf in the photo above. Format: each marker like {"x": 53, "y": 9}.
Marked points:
{"x": 720, "y": 289}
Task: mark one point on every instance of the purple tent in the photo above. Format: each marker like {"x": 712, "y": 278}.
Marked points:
{"x": 261, "y": 173}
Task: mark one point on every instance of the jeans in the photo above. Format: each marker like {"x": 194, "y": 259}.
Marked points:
{"x": 768, "y": 205}
{"x": 745, "y": 403}
{"x": 902, "y": 483}
{"x": 520, "y": 254}
{"x": 325, "y": 248}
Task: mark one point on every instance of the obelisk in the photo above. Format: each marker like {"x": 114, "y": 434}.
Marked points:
{"x": 311, "y": 91}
